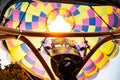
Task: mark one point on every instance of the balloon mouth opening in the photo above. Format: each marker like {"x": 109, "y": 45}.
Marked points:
{"x": 67, "y": 67}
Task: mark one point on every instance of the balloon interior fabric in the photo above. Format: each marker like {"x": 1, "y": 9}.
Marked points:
{"x": 38, "y": 16}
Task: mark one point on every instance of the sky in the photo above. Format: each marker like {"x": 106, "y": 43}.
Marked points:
{"x": 111, "y": 72}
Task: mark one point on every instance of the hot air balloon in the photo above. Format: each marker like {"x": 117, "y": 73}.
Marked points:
{"x": 51, "y": 17}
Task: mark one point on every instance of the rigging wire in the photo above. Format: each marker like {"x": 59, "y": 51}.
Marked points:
{"x": 5, "y": 19}
{"x": 23, "y": 16}
{"x": 42, "y": 43}
{"x": 87, "y": 46}
{"x": 109, "y": 27}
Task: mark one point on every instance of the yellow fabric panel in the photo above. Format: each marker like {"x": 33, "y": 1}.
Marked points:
{"x": 91, "y": 73}
{"x": 117, "y": 10}
{"x": 103, "y": 24}
{"x": 102, "y": 62}
{"x": 36, "y": 41}
{"x": 49, "y": 8}
{"x": 15, "y": 24}
{"x": 36, "y": 12}
{"x": 91, "y": 28}
{"x": 103, "y": 10}
{"x": 78, "y": 19}
{"x": 17, "y": 53}
{"x": 86, "y": 78}
{"x": 70, "y": 19}
{"x": 26, "y": 68}
{"x": 14, "y": 42}
{"x": 41, "y": 28}
{"x": 96, "y": 56}
{"x": 62, "y": 12}
{"x": 109, "y": 9}
{"x": 26, "y": 63}
{"x": 115, "y": 52}
{"x": 24, "y": 7}
{"x": 66, "y": 6}
{"x": 92, "y": 41}
{"x": 106, "y": 19}
{"x": 84, "y": 15}
{"x": 28, "y": 17}
{"x": 107, "y": 48}
{"x": 40, "y": 7}
{"x": 83, "y": 8}
{"x": 51, "y": 16}
{"x": 46, "y": 10}
{"x": 8, "y": 46}
{"x": 31, "y": 9}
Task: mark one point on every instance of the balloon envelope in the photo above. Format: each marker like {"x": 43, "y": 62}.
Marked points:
{"x": 37, "y": 16}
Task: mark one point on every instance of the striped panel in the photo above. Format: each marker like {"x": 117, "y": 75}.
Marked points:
{"x": 80, "y": 75}
{"x": 17, "y": 53}
{"x": 26, "y": 63}
{"x": 90, "y": 68}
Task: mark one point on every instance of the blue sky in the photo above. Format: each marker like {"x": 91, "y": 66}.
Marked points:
{"x": 111, "y": 72}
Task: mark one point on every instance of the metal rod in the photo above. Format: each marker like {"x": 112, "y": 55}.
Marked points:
{"x": 116, "y": 36}
{"x": 13, "y": 33}
{"x": 92, "y": 51}
{"x": 35, "y": 51}
{"x": 5, "y": 30}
